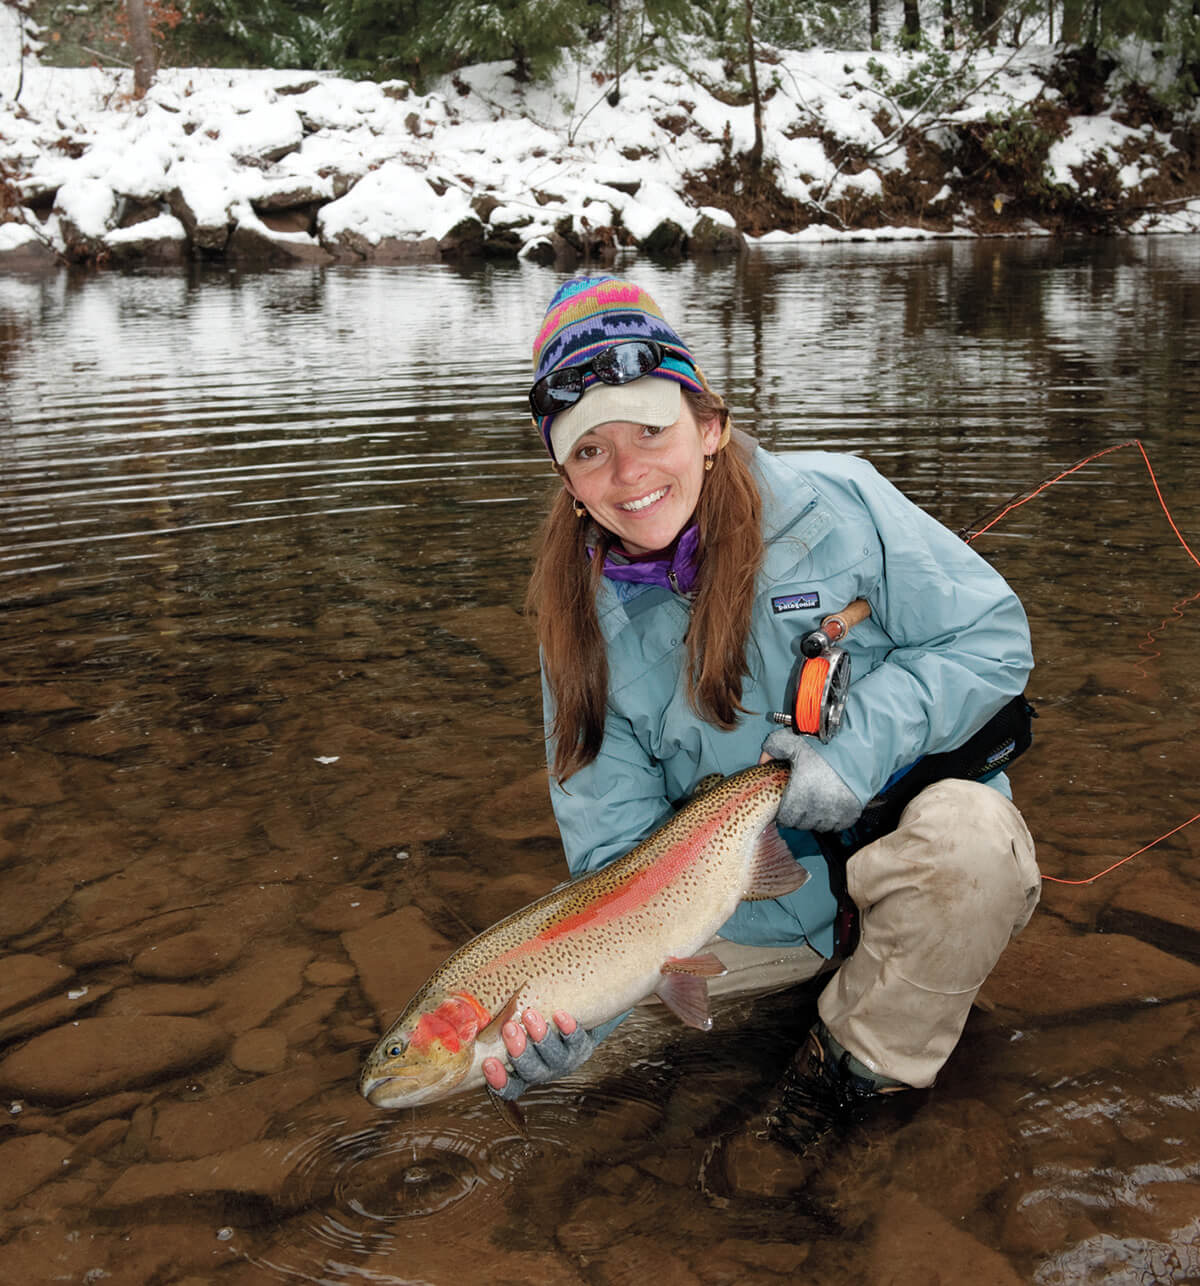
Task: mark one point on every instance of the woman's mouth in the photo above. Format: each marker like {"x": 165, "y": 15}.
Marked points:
{"x": 633, "y": 506}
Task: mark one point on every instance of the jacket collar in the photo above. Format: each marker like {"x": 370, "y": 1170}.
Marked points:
{"x": 792, "y": 508}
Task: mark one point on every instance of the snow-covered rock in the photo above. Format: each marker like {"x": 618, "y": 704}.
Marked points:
{"x": 391, "y": 204}
{"x": 277, "y": 166}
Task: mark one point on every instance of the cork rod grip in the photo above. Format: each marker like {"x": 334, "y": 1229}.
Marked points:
{"x": 839, "y": 624}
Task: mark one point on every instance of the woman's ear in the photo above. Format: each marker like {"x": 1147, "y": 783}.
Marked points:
{"x": 711, "y": 435}
{"x": 562, "y": 475}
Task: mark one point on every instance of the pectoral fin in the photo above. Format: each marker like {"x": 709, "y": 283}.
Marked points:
{"x": 774, "y": 871}
{"x": 507, "y": 1010}
{"x": 510, "y": 1113}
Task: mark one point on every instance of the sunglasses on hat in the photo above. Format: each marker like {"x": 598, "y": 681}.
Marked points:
{"x": 618, "y": 364}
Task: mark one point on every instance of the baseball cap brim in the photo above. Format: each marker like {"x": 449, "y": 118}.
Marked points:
{"x": 650, "y": 400}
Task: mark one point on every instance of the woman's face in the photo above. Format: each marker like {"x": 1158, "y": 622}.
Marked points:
{"x": 640, "y": 481}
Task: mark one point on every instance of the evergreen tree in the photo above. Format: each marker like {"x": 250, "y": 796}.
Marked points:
{"x": 379, "y": 38}
{"x": 533, "y": 34}
{"x": 268, "y": 33}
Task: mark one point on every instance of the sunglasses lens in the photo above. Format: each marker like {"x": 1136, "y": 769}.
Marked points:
{"x": 616, "y": 365}
{"x": 556, "y": 391}
{"x": 625, "y": 362}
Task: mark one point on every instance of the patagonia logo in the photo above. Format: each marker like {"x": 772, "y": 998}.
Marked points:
{"x": 796, "y": 602}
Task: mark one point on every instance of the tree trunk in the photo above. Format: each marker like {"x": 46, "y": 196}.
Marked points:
{"x": 947, "y": 24}
{"x": 142, "y": 45}
{"x": 910, "y": 35}
{"x": 1094, "y": 26}
{"x": 1071, "y": 27}
{"x": 756, "y": 152}
{"x": 993, "y": 13}
{"x": 873, "y": 21}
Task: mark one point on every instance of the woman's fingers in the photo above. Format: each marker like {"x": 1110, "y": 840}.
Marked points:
{"x": 564, "y": 1022}
{"x": 535, "y": 1025}
{"x": 516, "y": 1036}
{"x": 494, "y": 1073}
{"x": 513, "y": 1035}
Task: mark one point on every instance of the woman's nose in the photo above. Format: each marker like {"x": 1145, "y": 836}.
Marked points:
{"x": 627, "y": 464}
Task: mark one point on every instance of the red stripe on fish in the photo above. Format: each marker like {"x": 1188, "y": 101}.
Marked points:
{"x": 637, "y": 890}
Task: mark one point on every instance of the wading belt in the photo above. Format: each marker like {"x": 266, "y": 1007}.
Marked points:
{"x": 1007, "y": 734}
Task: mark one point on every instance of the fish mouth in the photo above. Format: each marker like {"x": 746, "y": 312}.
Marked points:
{"x": 396, "y": 1091}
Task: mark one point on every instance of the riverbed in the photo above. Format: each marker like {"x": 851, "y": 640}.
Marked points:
{"x": 273, "y": 747}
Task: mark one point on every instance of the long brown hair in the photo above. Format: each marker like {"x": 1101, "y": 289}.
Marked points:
{"x": 562, "y": 597}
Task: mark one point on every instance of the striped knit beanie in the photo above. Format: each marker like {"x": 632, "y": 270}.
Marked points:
{"x": 587, "y": 315}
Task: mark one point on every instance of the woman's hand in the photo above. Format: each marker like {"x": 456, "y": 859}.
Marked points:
{"x": 815, "y": 798}
{"x": 539, "y": 1053}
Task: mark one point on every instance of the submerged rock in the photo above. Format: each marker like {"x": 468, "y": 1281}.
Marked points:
{"x": 244, "y": 1177}
{"x": 348, "y": 907}
{"x": 102, "y": 1055}
{"x": 916, "y": 1246}
{"x": 183, "y": 1131}
{"x": 99, "y": 947}
{"x": 394, "y": 956}
{"x": 26, "y": 1163}
{"x": 262, "y": 1050}
{"x": 161, "y": 998}
{"x": 27, "y": 978}
{"x": 1089, "y": 971}
{"x": 266, "y": 981}
{"x": 194, "y": 954}
{"x": 24, "y": 1022}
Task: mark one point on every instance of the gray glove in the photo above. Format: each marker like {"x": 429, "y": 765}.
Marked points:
{"x": 554, "y": 1056}
{"x": 815, "y": 798}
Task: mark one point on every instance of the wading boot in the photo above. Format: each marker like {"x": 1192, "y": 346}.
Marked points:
{"x": 823, "y": 1094}
{"x": 825, "y": 1090}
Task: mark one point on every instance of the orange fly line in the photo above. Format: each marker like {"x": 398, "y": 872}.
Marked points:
{"x": 1006, "y": 509}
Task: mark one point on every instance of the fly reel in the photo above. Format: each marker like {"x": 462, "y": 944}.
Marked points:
{"x": 821, "y": 682}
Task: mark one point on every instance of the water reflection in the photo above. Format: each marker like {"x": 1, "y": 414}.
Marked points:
{"x": 273, "y": 747}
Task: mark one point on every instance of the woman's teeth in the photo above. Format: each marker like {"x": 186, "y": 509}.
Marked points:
{"x": 634, "y": 505}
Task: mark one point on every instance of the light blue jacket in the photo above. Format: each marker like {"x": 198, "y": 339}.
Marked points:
{"x": 946, "y": 645}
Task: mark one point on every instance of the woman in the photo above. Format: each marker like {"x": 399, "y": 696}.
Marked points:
{"x": 678, "y": 570}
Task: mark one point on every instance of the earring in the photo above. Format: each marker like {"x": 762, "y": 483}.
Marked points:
{"x": 708, "y": 463}
{"x": 580, "y": 510}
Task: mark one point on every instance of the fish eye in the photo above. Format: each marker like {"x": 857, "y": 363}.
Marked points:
{"x": 394, "y": 1051}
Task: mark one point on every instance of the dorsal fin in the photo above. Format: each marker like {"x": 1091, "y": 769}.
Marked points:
{"x": 705, "y": 784}
{"x": 773, "y": 871}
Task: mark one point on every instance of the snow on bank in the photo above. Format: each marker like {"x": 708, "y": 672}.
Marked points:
{"x": 313, "y": 167}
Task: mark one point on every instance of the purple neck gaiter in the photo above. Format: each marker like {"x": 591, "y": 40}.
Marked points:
{"x": 673, "y": 568}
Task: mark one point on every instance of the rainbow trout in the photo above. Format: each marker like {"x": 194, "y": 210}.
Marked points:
{"x": 598, "y": 945}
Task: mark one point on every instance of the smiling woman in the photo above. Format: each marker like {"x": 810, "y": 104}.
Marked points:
{"x": 642, "y": 481}
{"x": 679, "y": 571}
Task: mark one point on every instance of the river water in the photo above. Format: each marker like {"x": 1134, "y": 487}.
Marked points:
{"x": 272, "y": 748}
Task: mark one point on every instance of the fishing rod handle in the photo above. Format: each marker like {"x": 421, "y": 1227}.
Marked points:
{"x": 836, "y": 626}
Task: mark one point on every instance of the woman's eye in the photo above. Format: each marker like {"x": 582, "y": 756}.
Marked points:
{"x": 587, "y": 453}
{"x": 653, "y": 430}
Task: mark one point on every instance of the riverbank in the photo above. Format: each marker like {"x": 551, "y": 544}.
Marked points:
{"x": 265, "y": 168}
